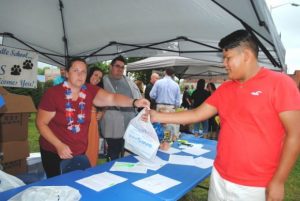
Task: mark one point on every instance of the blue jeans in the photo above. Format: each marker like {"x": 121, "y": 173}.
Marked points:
{"x": 204, "y": 126}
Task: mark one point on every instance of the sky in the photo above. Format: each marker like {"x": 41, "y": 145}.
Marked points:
{"x": 286, "y": 18}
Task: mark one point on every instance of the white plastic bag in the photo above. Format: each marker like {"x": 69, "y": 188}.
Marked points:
{"x": 8, "y": 181}
{"x": 140, "y": 138}
{"x": 48, "y": 193}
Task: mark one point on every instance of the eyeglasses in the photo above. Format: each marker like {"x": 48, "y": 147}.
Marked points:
{"x": 119, "y": 66}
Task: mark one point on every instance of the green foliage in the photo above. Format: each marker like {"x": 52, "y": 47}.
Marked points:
{"x": 33, "y": 134}
{"x": 134, "y": 59}
{"x": 41, "y": 71}
{"x": 102, "y": 65}
{"x": 48, "y": 84}
{"x": 144, "y": 76}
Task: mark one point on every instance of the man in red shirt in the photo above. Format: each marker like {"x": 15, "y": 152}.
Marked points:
{"x": 259, "y": 140}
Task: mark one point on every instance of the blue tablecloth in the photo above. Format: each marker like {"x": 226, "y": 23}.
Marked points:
{"x": 189, "y": 176}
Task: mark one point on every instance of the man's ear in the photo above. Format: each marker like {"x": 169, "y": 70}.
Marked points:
{"x": 248, "y": 55}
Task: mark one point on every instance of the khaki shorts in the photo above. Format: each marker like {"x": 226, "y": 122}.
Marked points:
{"x": 223, "y": 190}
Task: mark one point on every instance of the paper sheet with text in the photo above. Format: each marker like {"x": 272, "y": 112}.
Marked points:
{"x": 156, "y": 183}
{"x": 101, "y": 181}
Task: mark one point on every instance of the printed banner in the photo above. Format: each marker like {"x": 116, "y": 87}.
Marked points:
{"x": 18, "y": 68}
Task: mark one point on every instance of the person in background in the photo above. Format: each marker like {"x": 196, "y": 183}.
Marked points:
{"x": 191, "y": 90}
{"x": 186, "y": 102}
{"x": 2, "y": 101}
{"x": 60, "y": 78}
{"x": 259, "y": 140}
{"x": 211, "y": 87}
{"x": 94, "y": 77}
{"x": 198, "y": 97}
{"x": 64, "y": 115}
{"x": 166, "y": 91}
{"x": 154, "y": 77}
{"x": 140, "y": 85}
{"x": 213, "y": 126}
{"x": 116, "y": 83}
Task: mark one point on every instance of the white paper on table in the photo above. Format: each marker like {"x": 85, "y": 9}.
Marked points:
{"x": 181, "y": 160}
{"x": 203, "y": 163}
{"x": 152, "y": 164}
{"x": 101, "y": 181}
{"x": 128, "y": 167}
{"x": 196, "y": 145}
{"x": 156, "y": 183}
{"x": 172, "y": 150}
{"x": 195, "y": 151}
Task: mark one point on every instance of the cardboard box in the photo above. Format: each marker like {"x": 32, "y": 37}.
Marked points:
{"x": 14, "y": 116}
{"x": 13, "y": 151}
{"x": 15, "y": 167}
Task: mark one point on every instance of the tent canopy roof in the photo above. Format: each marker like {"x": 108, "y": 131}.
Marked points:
{"x": 100, "y": 30}
{"x": 184, "y": 67}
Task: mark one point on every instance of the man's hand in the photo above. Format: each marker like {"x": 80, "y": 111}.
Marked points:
{"x": 142, "y": 103}
{"x": 275, "y": 191}
{"x": 145, "y": 115}
{"x": 152, "y": 113}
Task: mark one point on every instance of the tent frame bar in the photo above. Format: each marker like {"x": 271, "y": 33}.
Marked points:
{"x": 47, "y": 55}
{"x": 64, "y": 38}
{"x": 251, "y": 30}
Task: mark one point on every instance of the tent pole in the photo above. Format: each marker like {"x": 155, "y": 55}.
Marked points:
{"x": 65, "y": 40}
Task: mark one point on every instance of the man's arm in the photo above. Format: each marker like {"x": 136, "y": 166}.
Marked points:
{"x": 203, "y": 112}
{"x": 290, "y": 153}
{"x": 153, "y": 92}
{"x": 104, "y": 98}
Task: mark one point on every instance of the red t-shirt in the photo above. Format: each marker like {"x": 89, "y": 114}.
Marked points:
{"x": 54, "y": 101}
{"x": 252, "y": 134}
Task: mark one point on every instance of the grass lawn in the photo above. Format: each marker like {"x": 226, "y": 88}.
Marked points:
{"x": 292, "y": 188}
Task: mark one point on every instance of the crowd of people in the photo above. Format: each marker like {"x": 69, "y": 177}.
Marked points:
{"x": 258, "y": 112}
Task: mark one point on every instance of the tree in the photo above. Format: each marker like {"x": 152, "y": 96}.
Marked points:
{"x": 102, "y": 65}
{"x": 144, "y": 75}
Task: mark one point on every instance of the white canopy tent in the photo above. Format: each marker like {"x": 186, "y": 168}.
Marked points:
{"x": 101, "y": 29}
{"x": 184, "y": 67}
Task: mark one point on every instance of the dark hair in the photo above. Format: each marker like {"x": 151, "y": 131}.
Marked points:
{"x": 170, "y": 71}
{"x": 212, "y": 86}
{"x": 200, "y": 84}
{"x": 91, "y": 72}
{"x": 71, "y": 61}
{"x": 239, "y": 38}
{"x": 118, "y": 58}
